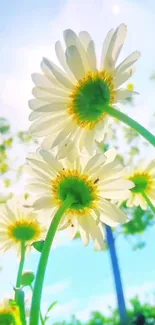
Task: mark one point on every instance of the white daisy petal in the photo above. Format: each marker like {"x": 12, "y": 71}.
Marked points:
{"x": 111, "y": 155}
{"x": 116, "y": 194}
{"x": 128, "y": 62}
{"x": 71, "y": 39}
{"x": 92, "y": 55}
{"x": 120, "y": 77}
{"x": 74, "y": 62}
{"x": 115, "y": 45}
{"x": 108, "y": 210}
{"x": 114, "y": 184}
{"x": 47, "y": 142}
{"x": 73, "y": 228}
{"x": 53, "y": 107}
{"x": 59, "y": 75}
{"x": 36, "y": 103}
{"x": 83, "y": 229}
{"x": 63, "y": 134}
{"x": 38, "y": 187}
{"x": 41, "y": 93}
{"x": 96, "y": 234}
{"x": 122, "y": 94}
{"x": 104, "y": 58}
{"x": 34, "y": 115}
{"x": 85, "y": 39}
{"x": 41, "y": 81}
{"x": 43, "y": 202}
{"x": 50, "y": 160}
{"x": 43, "y": 125}
{"x": 97, "y": 161}
{"x": 49, "y": 74}
{"x": 62, "y": 59}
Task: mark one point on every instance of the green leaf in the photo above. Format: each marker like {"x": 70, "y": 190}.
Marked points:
{"x": 51, "y": 306}
{"x": 38, "y": 245}
{"x": 27, "y": 278}
{"x": 2, "y": 148}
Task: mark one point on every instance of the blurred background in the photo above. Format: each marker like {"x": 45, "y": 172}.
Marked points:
{"x": 79, "y": 280}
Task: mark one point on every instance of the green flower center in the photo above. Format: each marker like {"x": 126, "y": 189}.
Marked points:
{"x": 80, "y": 190}
{"x": 24, "y": 233}
{"x": 90, "y": 100}
{"x": 90, "y": 97}
{"x": 141, "y": 183}
{"x": 7, "y": 319}
{"x": 79, "y": 186}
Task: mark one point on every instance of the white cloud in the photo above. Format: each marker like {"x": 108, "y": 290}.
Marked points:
{"x": 64, "y": 311}
{"x": 103, "y": 302}
{"x": 83, "y": 307}
{"x": 57, "y": 288}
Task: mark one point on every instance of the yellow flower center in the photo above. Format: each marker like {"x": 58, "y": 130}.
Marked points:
{"x": 24, "y": 230}
{"x": 89, "y": 98}
{"x": 84, "y": 190}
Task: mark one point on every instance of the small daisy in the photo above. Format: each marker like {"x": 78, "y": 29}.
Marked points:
{"x": 93, "y": 182}
{"x": 143, "y": 177}
{"x": 69, "y": 101}
{"x": 18, "y": 225}
{"x": 9, "y": 314}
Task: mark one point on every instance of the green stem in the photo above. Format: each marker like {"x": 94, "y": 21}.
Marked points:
{"x": 152, "y": 207}
{"x": 132, "y": 123}
{"x": 21, "y": 304}
{"x": 20, "y": 270}
{"x": 38, "y": 286}
{"x": 41, "y": 317}
{"x": 19, "y": 294}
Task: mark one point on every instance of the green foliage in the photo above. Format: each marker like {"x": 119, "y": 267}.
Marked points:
{"x": 140, "y": 221}
{"x": 51, "y": 306}
{"x": 4, "y": 125}
{"x": 8, "y": 163}
{"x": 136, "y": 308}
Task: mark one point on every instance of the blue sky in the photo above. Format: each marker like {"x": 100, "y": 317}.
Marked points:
{"x": 80, "y": 279}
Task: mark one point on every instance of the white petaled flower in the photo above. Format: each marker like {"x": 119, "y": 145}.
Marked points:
{"x": 69, "y": 103}
{"x": 93, "y": 183}
{"x": 18, "y": 224}
{"x": 143, "y": 177}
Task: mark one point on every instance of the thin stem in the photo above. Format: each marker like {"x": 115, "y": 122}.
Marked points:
{"x": 41, "y": 319}
{"x": 21, "y": 265}
{"x": 38, "y": 286}
{"x": 132, "y": 123}
{"x": 117, "y": 277}
{"x": 152, "y": 207}
{"x": 19, "y": 294}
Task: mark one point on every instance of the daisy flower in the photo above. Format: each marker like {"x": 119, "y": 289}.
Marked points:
{"x": 9, "y": 313}
{"x": 18, "y": 225}
{"x": 143, "y": 177}
{"x": 93, "y": 183}
{"x": 69, "y": 102}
